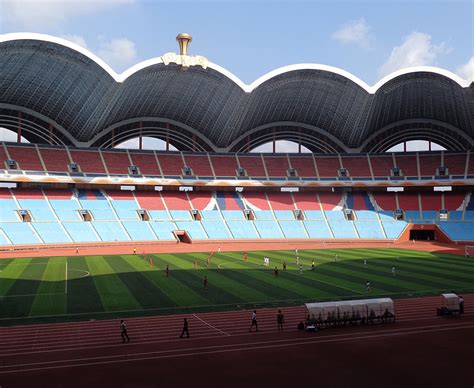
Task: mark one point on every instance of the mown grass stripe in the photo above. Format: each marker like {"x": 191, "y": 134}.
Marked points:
{"x": 178, "y": 292}
{"x": 146, "y": 292}
{"x": 11, "y": 272}
{"x": 219, "y": 291}
{"x": 113, "y": 293}
{"x": 51, "y": 297}
{"x": 21, "y": 294}
{"x": 82, "y": 295}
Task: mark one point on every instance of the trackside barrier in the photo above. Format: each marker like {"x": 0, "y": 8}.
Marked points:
{"x": 352, "y": 312}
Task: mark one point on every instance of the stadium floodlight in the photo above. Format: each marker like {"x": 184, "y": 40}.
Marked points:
{"x": 158, "y": 188}
{"x": 442, "y": 188}
{"x": 395, "y": 189}
{"x": 8, "y": 185}
{"x": 127, "y": 188}
{"x": 239, "y": 189}
{"x": 290, "y": 189}
{"x": 186, "y": 188}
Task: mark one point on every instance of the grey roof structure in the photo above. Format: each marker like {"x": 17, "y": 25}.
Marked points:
{"x": 59, "y": 93}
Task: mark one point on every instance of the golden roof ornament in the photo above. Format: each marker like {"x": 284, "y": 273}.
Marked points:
{"x": 183, "y": 59}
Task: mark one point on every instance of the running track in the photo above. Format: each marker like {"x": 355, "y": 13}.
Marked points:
{"x": 418, "y": 350}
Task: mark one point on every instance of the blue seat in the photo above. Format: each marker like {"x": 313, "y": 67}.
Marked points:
{"x": 80, "y": 231}
{"x": 20, "y": 233}
{"x": 369, "y": 229}
{"x": 314, "y": 215}
{"x": 215, "y": 229}
{"x": 233, "y": 214}
{"x": 284, "y": 215}
{"x": 139, "y": 230}
{"x": 342, "y": 229}
{"x": 8, "y": 210}
{"x": 263, "y": 215}
{"x": 334, "y": 215}
{"x": 211, "y": 215}
{"x": 242, "y": 229}
{"x": 458, "y": 230}
{"x": 159, "y": 215}
{"x": 65, "y": 209}
{"x": 180, "y": 215}
{"x": 51, "y": 232}
{"x": 293, "y": 229}
{"x": 38, "y": 208}
{"x": 193, "y": 228}
{"x": 317, "y": 229}
{"x": 164, "y": 230}
{"x": 366, "y": 214}
{"x": 393, "y": 229}
{"x": 110, "y": 231}
{"x": 125, "y": 209}
{"x": 100, "y": 209}
{"x": 268, "y": 229}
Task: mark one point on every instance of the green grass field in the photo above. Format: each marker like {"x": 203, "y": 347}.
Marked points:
{"x": 96, "y": 287}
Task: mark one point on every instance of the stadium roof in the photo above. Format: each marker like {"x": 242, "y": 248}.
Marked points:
{"x": 61, "y": 93}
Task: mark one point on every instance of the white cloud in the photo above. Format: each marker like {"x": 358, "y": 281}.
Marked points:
{"x": 38, "y": 15}
{"x": 416, "y": 50}
{"x": 117, "y": 52}
{"x": 77, "y": 39}
{"x": 466, "y": 71}
{"x": 355, "y": 32}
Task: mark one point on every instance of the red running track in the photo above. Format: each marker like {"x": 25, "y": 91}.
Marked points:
{"x": 419, "y": 350}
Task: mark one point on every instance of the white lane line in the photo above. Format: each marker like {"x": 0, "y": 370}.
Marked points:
{"x": 243, "y": 347}
{"x": 211, "y": 326}
{"x": 66, "y": 277}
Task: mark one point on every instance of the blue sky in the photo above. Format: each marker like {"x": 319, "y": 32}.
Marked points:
{"x": 250, "y": 38}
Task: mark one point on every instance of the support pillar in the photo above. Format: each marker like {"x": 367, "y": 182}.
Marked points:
{"x": 18, "y": 137}
{"x": 167, "y": 126}
{"x": 140, "y": 138}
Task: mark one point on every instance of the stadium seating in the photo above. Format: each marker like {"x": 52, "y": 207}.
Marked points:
{"x": 458, "y": 231}
{"x": 268, "y": 229}
{"x": 329, "y": 200}
{"x": 393, "y": 229}
{"x": 293, "y": 229}
{"x": 277, "y": 166}
{"x": 171, "y": 164}
{"x": 256, "y": 201}
{"x": 317, "y": 229}
{"x": 199, "y": 165}
{"x": 51, "y": 232}
{"x": 306, "y": 201}
{"x": 116, "y": 162}
{"x": 200, "y": 199}
{"x": 146, "y": 162}
{"x": 211, "y": 215}
{"x": 381, "y": 165}
{"x": 27, "y": 158}
{"x": 55, "y": 159}
{"x": 20, "y": 233}
{"x": 176, "y": 200}
{"x": 193, "y": 228}
{"x": 253, "y": 165}
{"x": 328, "y": 166}
{"x": 89, "y": 162}
{"x": 224, "y": 165}
{"x": 342, "y": 228}
{"x": 429, "y": 164}
{"x": 408, "y": 164}
{"x": 110, "y": 231}
{"x": 149, "y": 200}
{"x": 304, "y": 166}
{"x": 81, "y": 231}
{"x": 242, "y": 229}
{"x": 215, "y": 229}
{"x": 281, "y": 201}
{"x": 456, "y": 163}
{"x": 229, "y": 200}
{"x": 358, "y": 166}
{"x": 369, "y": 229}
{"x": 164, "y": 230}
{"x": 139, "y": 231}
{"x": 232, "y": 214}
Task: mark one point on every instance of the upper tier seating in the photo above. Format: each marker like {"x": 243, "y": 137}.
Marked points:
{"x": 304, "y": 166}
{"x": 277, "y": 166}
{"x": 358, "y": 166}
{"x": 116, "y": 162}
{"x": 456, "y": 164}
{"x": 224, "y": 166}
{"x": 55, "y": 159}
{"x": 89, "y": 162}
{"x": 171, "y": 164}
{"x": 429, "y": 164}
{"x": 407, "y": 163}
{"x": 27, "y": 158}
{"x": 253, "y": 165}
{"x": 328, "y": 166}
{"x": 381, "y": 165}
{"x": 199, "y": 165}
{"x": 146, "y": 162}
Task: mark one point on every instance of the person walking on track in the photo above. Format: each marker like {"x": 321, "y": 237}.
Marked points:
{"x": 123, "y": 327}
{"x": 280, "y": 320}
{"x": 185, "y": 329}
{"x": 254, "y": 321}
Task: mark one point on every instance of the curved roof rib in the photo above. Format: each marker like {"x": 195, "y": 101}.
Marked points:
{"x": 81, "y": 94}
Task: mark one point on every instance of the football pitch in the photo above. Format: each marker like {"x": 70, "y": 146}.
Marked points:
{"x": 97, "y": 287}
